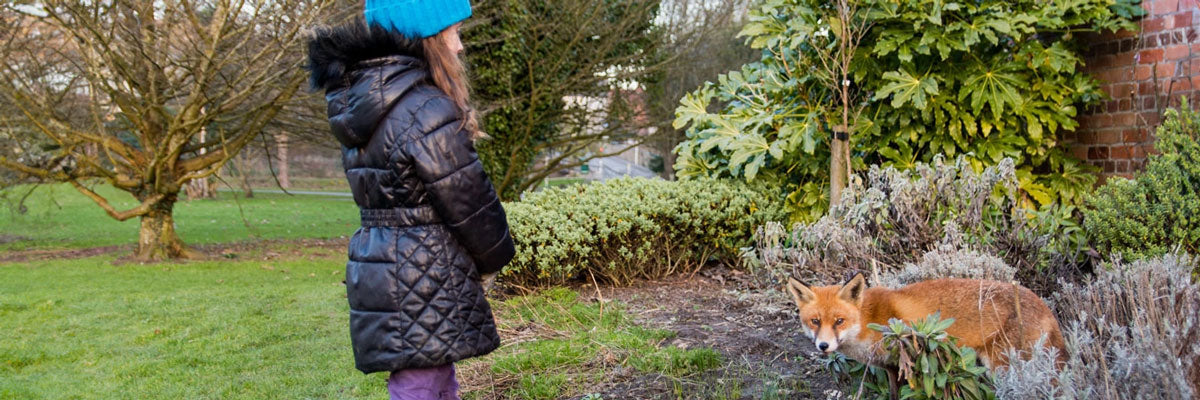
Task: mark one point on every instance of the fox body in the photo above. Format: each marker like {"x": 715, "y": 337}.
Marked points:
{"x": 990, "y": 317}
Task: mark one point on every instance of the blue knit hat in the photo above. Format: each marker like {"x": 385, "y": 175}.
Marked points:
{"x": 416, "y": 18}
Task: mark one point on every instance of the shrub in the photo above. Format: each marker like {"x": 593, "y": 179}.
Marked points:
{"x": 1132, "y": 332}
{"x": 1159, "y": 208}
{"x": 941, "y": 219}
{"x": 928, "y": 361}
{"x": 950, "y": 260}
{"x": 626, "y": 229}
{"x": 988, "y": 79}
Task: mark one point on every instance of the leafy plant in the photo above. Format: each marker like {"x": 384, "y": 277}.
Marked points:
{"x": 987, "y": 80}
{"x": 928, "y": 364}
{"x": 1156, "y": 210}
{"x": 626, "y": 229}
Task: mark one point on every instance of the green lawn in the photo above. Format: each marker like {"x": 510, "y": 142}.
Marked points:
{"x": 565, "y": 181}
{"x": 277, "y": 329}
{"x": 270, "y": 323}
{"x": 58, "y": 216}
{"x": 252, "y": 329}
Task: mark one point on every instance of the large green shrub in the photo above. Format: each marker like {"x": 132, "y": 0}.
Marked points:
{"x": 989, "y": 79}
{"x": 1160, "y": 208}
{"x": 625, "y": 229}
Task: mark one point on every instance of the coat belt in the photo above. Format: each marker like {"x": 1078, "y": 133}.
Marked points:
{"x": 423, "y": 215}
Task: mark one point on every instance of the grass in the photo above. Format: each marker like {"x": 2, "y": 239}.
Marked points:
{"x": 253, "y": 329}
{"x": 338, "y": 184}
{"x": 58, "y": 216}
{"x": 579, "y": 343}
{"x": 565, "y": 181}
{"x": 277, "y": 328}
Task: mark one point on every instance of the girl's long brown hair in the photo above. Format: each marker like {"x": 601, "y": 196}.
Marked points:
{"x": 450, "y": 76}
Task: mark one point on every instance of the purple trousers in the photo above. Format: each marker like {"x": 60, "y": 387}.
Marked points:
{"x": 435, "y": 383}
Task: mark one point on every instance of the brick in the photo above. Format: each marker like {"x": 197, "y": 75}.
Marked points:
{"x": 1124, "y": 105}
{"x": 1150, "y": 56}
{"x": 1148, "y": 118}
{"x": 1131, "y": 136}
{"x": 1150, "y": 103}
{"x": 1111, "y": 106}
{"x": 1121, "y": 167}
{"x": 1176, "y": 52}
{"x": 1124, "y": 46}
{"x": 1109, "y": 166}
{"x": 1149, "y": 41}
{"x": 1183, "y": 19}
{"x": 1146, "y": 88}
{"x": 1108, "y": 137}
{"x": 1098, "y": 153}
{"x": 1079, "y": 152}
{"x": 1124, "y": 119}
{"x": 1159, "y": 7}
{"x": 1165, "y": 70}
{"x": 1136, "y": 152}
{"x": 1170, "y": 38}
{"x": 1143, "y": 72}
{"x": 1153, "y": 25}
{"x": 1119, "y": 152}
{"x": 1103, "y": 120}
{"x": 1181, "y": 84}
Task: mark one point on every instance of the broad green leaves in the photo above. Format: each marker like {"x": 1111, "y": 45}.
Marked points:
{"x": 985, "y": 79}
{"x": 907, "y": 88}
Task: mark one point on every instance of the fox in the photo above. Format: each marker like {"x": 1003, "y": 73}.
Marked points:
{"x": 990, "y": 317}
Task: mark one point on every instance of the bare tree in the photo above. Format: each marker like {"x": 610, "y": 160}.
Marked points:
{"x": 702, "y": 37}
{"x": 848, "y": 25}
{"x": 133, "y": 83}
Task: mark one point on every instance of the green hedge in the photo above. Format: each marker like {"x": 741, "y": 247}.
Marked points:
{"x": 1160, "y": 208}
{"x": 626, "y": 229}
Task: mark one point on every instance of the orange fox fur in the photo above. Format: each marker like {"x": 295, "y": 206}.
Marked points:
{"x": 990, "y": 317}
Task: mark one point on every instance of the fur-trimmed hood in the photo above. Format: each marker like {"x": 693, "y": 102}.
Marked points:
{"x": 333, "y": 51}
{"x": 364, "y": 72}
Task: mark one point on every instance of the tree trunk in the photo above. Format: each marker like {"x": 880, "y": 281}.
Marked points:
{"x": 200, "y": 188}
{"x": 281, "y": 148}
{"x": 242, "y": 164}
{"x": 157, "y": 239}
{"x": 837, "y": 166}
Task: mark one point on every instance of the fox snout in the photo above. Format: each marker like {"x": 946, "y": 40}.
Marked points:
{"x": 827, "y": 344}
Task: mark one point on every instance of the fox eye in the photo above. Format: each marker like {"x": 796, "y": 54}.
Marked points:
{"x": 816, "y": 321}
{"x": 838, "y": 322}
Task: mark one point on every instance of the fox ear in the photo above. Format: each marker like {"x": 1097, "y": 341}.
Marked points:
{"x": 801, "y": 293}
{"x": 852, "y": 291}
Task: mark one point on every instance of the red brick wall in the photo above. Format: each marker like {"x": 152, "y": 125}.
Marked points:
{"x": 1143, "y": 73}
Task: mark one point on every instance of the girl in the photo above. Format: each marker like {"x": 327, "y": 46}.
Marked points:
{"x": 431, "y": 221}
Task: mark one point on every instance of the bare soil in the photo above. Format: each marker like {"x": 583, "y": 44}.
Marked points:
{"x": 766, "y": 354}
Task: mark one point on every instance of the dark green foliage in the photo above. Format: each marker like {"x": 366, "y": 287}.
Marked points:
{"x": 986, "y": 79}
{"x": 525, "y": 56}
{"x": 1160, "y": 208}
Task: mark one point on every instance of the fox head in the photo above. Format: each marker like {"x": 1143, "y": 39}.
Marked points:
{"x": 830, "y": 314}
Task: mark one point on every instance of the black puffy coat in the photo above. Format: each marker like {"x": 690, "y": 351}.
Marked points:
{"x": 431, "y": 220}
